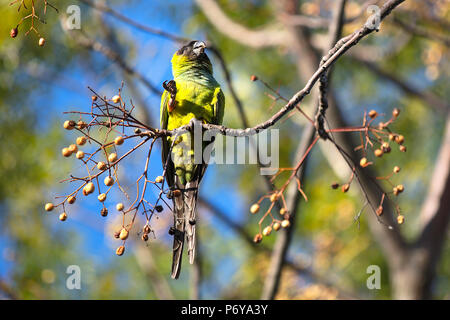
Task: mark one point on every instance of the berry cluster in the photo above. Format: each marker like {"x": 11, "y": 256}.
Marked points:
{"x": 101, "y": 152}
{"x": 376, "y": 140}
{"x": 32, "y": 17}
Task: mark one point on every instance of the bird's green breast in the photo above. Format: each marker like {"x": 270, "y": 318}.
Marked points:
{"x": 193, "y": 99}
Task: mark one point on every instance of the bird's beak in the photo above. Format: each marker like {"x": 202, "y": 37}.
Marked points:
{"x": 199, "y": 47}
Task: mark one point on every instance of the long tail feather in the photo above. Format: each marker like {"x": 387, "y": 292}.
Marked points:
{"x": 178, "y": 235}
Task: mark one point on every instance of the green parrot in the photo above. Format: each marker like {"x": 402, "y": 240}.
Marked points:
{"x": 194, "y": 93}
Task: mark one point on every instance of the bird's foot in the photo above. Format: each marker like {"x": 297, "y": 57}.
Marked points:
{"x": 171, "y": 87}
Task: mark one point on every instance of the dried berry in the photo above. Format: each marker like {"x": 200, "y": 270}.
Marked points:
{"x": 345, "y": 187}
{"x": 159, "y": 208}
{"x": 176, "y": 193}
{"x": 379, "y": 211}
{"x": 101, "y": 197}
{"x": 119, "y": 206}
{"x": 104, "y": 212}
{"x": 396, "y": 169}
{"x": 257, "y": 238}
{"x": 81, "y": 125}
{"x": 335, "y": 185}
{"x": 41, "y": 42}
{"x": 14, "y": 32}
{"x": 373, "y": 114}
{"x": 120, "y": 250}
{"x": 63, "y": 216}
{"x": 253, "y": 78}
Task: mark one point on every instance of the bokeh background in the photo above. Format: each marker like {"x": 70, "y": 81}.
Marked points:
{"x": 401, "y": 66}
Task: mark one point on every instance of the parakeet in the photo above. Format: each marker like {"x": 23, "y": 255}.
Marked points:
{"x": 193, "y": 93}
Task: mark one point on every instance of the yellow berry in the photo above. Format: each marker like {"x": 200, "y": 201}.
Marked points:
{"x": 73, "y": 148}
{"x": 71, "y": 199}
{"x": 115, "y": 99}
{"x": 49, "y": 206}
{"x": 378, "y": 152}
{"x": 101, "y": 197}
{"x": 395, "y": 112}
{"x": 41, "y": 42}
{"x": 112, "y": 157}
{"x": 89, "y": 188}
{"x": 400, "y": 219}
{"x": 66, "y": 152}
{"x": 159, "y": 179}
{"x": 283, "y": 211}
{"x": 402, "y": 148}
{"x": 395, "y": 191}
{"x": 396, "y": 169}
{"x": 267, "y": 231}
{"x": 69, "y": 124}
{"x": 276, "y": 226}
{"x": 373, "y": 113}
{"x": 118, "y": 140}
{"x": 80, "y": 155}
{"x": 254, "y": 208}
{"x": 81, "y": 141}
{"x": 123, "y": 234}
{"x": 400, "y": 188}
{"x": 363, "y": 162}
{"x": 63, "y": 216}
{"x": 101, "y": 166}
{"x": 274, "y": 197}
{"x": 109, "y": 181}
{"x": 285, "y": 223}
{"x": 400, "y": 139}
{"x": 119, "y": 206}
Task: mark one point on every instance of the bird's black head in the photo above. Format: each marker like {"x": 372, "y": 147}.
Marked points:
{"x": 191, "y": 56}
{"x": 193, "y": 50}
